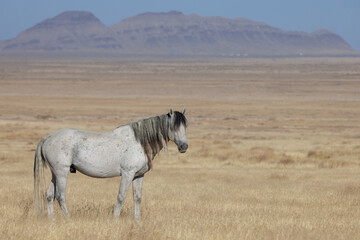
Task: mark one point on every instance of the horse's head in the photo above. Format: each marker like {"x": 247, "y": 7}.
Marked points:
{"x": 177, "y": 129}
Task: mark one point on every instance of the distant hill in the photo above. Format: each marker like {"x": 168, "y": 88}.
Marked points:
{"x": 67, "y": 31}
{"x": 172, "y": 34}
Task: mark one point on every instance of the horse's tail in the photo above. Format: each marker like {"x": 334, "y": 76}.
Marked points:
{"x": 39, "y": 179}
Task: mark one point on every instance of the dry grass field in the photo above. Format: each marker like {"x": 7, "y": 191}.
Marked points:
{"x": 274, "y": 146}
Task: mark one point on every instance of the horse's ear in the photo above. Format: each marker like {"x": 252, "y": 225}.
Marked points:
{"x": 171, "y": 112}
{"x": 183, "y": 111}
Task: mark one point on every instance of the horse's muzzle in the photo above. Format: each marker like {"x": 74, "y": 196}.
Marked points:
{"x": 183, "y": 147}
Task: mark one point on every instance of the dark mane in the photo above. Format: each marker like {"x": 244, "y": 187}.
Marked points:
{"x": 179, "y": 119}
{"x": 152, "y": 133}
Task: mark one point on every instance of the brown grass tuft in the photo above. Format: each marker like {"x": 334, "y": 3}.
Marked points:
{"x": 311, "y": 153}
{"x": 262, "y": 154}
{"x": 286, "y": 160}
{"x": 278, "y": 176}
{"x": 351, "y": 190}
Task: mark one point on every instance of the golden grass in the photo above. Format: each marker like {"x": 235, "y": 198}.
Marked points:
{"x": 274, "y": 147}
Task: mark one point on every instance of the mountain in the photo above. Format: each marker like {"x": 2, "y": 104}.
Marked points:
{"x": 67, "y": 31}
{"x": 173, "y": 34}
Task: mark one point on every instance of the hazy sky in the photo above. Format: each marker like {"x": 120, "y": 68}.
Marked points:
{"x": 339, "y": 16}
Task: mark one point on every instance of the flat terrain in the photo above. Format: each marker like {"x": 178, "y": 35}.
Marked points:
{"x": 274, "y": 146}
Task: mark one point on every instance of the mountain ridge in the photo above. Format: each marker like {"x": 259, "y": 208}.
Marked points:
{"x": 172, "y": 34}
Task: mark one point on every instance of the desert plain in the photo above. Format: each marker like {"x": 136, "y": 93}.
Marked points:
{"x": 274, "y": 146}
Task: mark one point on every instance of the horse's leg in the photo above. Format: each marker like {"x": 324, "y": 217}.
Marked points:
{"x": 60, "y": 187}
{"x": 50, "y": 195}
{"x": 137, "y": 187}
{"x": 126, "y": 180}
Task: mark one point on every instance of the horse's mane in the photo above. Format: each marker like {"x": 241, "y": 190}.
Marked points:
{"x": 152, "y": 133}
{"x": 179, "y": 119}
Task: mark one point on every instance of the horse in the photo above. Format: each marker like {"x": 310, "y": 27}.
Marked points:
{"x": 127, "y": 151}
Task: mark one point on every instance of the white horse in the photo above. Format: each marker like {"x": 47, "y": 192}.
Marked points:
{"x": 126, "y": 151}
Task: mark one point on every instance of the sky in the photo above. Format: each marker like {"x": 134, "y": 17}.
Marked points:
{"x": 339, "y": 16}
